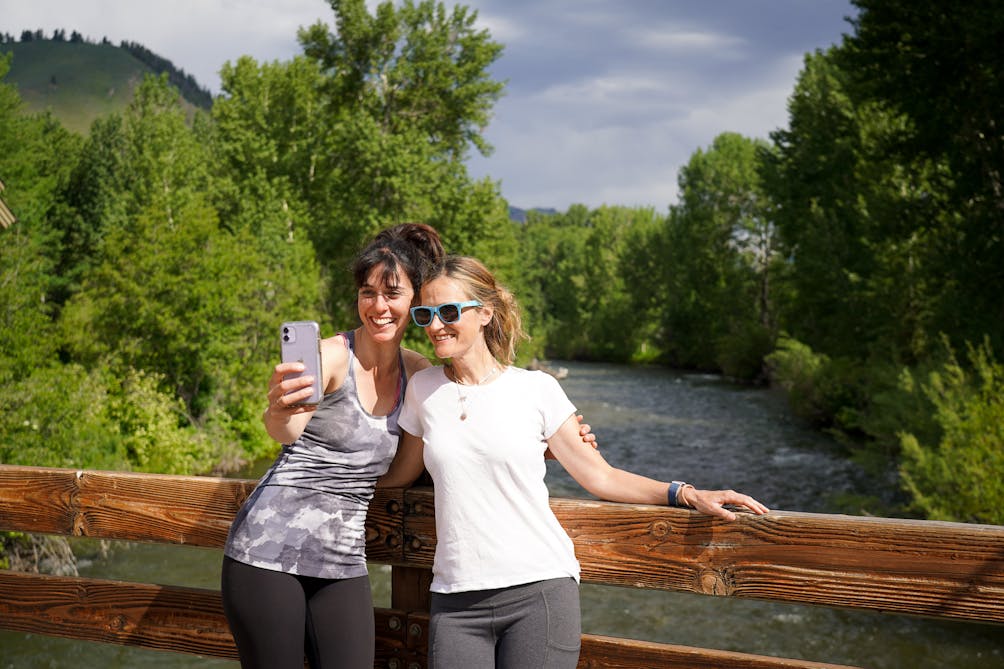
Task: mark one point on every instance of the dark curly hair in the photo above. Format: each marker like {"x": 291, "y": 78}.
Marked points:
{"x": 412, "y": 249}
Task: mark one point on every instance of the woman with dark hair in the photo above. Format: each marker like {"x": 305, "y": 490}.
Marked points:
{"x": 294, "y": 576}
{"x": 505, "y": 576}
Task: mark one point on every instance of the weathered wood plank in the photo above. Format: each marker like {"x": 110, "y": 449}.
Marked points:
{"x": 186, "y": 620}
{"x": 385, "y": 527}
{"x": 410, "y": 588}
{"x": 419, "y": 527}
{"x": 33, "y": 499}
{"x": 190, "y": 510}
{"x": 191, "y": 620}
{"x": 615, "y": 653}
{"x": 926, "y": 568}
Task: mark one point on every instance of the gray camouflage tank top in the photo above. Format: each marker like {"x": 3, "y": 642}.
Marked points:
{"x": 307, "y": 515}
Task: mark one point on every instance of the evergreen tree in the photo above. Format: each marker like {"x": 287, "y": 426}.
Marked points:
{"x": 940, "y": 66}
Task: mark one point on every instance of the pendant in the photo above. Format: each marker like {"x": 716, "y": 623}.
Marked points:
{"x": 463, "y": 416}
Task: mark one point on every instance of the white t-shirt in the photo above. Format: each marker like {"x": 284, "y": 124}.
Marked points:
{"x": 494, "y": 525}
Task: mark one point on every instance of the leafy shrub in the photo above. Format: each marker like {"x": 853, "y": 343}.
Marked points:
{"x": 151, "y": 427}
{"x": 740, "y": 354}
{"x": 829, "y": 392}
{"x": 798, "y": 370}
{"x": 55, "y": 417}
{"x": 961, "y": 476}
{"x": 65, "y": 416}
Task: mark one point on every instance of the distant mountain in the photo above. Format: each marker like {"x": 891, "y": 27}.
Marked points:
{"x": 519, "y": 215}
{"x": 80, "y": 80}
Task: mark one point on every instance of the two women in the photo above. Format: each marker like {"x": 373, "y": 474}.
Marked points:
{"x": 294, "y": 578}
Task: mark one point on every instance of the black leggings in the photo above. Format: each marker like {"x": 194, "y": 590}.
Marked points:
{"x": 276, "y": 618}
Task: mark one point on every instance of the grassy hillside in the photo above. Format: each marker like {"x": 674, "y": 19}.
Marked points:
{"x": 77, "y": 81}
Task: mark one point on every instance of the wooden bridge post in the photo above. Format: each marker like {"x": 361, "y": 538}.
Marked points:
{"x": 409, "y": 588}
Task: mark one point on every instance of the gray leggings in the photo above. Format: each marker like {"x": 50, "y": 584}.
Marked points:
{"x": 532, "y": 626}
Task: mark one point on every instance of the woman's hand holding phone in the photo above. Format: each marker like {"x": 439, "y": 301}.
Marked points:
{"x": 289, "y": 387}
{"x": 300, "y": 343}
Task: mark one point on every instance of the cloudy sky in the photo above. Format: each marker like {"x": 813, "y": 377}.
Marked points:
{"x": 605, "y": 99}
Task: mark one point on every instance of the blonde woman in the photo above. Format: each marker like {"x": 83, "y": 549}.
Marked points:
{"x": 505, "y": 576}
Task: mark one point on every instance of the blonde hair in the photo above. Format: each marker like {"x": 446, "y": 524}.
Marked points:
{"x": 505, "y": 329}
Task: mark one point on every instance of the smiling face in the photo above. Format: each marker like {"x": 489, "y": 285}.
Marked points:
{"x": 383, "y": 304}
{"x": 464, "y": 337}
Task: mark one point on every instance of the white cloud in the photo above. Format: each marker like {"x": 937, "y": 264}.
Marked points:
{"x": 502, "y": 29}
{"x": 715, "y": 45}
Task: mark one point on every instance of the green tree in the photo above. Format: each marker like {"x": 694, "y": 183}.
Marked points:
{"x": 719, "y": 251}
{"x": 887, "y": 212}
{"x": 554, "y": 248}
{"x": 171, "y": 296}
{"x": 35, "y": 159}
{"x": 406, "y": 93}
{"x": 605, "y": 306}
{"x": 859, "y": 226}
{"x": 268, "y": 141}
{"x": 582, "y": 284}
{"x": 939, "y": 66}
{"x": 272, "y": 125}
{"x": 53, "y": 413}
{"x": 369, "y": 127}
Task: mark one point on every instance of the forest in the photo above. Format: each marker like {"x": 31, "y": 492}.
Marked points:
{"x": 853, "y": 259}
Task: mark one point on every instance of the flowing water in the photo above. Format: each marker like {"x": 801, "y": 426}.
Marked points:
{"x": 666, "y": 425}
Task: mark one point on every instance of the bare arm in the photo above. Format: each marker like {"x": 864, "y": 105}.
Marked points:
{"x": 585, "y": 432}
{"x": 407, "y": 465}
{"x": 596, "y": 475}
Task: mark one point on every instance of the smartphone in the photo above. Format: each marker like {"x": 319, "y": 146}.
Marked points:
{"x": 300, "y": 341}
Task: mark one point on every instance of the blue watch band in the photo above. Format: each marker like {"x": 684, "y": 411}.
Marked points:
{"x": 674, "y": 490}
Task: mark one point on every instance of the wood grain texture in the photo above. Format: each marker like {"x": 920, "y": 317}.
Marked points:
{"x": 191, "y": 620}
{"x": 186, "y": 620}
{"x": 926, "y": 568}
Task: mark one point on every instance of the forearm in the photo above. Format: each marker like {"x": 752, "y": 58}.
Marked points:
{"x": 622, "y": 486}
{"x": 283, "y": 426}
{"x": 596, "y": 475}
{"x": 397, "y": 478}
{"x": 618, "y": 485}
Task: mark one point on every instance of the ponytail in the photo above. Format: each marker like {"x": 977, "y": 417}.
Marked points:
{"x": 411, "y": 248}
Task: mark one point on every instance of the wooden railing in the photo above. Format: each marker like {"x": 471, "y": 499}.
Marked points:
{"x": 924, "y": 568}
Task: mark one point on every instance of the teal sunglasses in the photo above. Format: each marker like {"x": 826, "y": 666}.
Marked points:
{"x": 448, "y": 312}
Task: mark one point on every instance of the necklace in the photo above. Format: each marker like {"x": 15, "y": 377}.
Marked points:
{"x": 461, "y": 397}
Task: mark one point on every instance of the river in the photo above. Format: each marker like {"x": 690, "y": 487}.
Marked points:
{"x": 667, "y": 425}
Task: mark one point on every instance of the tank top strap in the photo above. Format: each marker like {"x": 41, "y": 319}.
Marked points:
{"x": 349, "y": 384}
